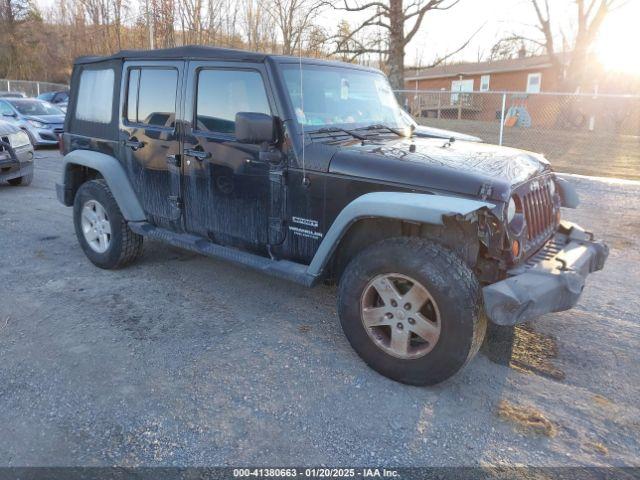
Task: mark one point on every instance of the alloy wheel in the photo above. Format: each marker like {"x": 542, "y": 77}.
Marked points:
{"x": 400, "y": 316}
{"x": 96, "y": 226}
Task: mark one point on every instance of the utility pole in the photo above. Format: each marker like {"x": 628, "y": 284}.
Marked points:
{"x": 149, "y": 26}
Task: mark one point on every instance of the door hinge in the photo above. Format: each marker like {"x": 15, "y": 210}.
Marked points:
{"x": 174, "y": 160}
{"x": 278, "y": 177}
{"x": 176, "y": 202}
{"x": 276, "y": 227}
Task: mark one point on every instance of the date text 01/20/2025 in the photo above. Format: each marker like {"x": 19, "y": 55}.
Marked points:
{"x": 315, "y": 473}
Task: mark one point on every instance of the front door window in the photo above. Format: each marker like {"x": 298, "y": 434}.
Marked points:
{"x": 223, "y": 93}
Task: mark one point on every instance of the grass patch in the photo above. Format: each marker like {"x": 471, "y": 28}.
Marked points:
{"x": 526, "y": 418}
{"x": 534, "y": 352}
{"x": 598, "y": 447}
{"x": 602, "y": 154}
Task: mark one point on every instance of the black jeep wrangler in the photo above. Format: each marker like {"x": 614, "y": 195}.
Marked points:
{"x": 308, "y": 171}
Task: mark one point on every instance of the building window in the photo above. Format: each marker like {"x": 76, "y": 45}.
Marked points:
{"x": 95, "y": 96}
{"x": 484, "y": 83}
{"x": 460, "y": 86}
{"x": 534, "y": 82}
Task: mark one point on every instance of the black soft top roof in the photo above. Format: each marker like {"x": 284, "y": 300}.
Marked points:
{"x": 189, "y": 51}
{"x": 204, "y": 53}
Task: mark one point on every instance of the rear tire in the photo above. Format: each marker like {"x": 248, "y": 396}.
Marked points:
{"x": 102, "y": 231}
{"x": 446, "y": 310}
{"x": 23, "y": 181}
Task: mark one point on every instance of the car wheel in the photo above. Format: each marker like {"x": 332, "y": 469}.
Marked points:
{"x": 101, "y": 229}
{"x": 23, "y": 181}
{"x": 412, "y": 310}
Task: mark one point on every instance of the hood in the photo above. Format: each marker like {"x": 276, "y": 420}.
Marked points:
{"x": 431, "y": 132}
{"x": 467, "y": 168}
{"x": 7, "y": 128}
{"x": 49, "y": 119}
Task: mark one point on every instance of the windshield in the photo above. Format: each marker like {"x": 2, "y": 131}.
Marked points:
{"x": 408, "y": 118}
{"x": 337, "y": 97}
{"x": 34, "y": 107}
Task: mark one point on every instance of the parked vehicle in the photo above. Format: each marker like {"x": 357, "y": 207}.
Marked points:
{"x": 300, "y": 168}
{"x": 432, "y": 132}
{"x": 56, "y": 97}
{"x": 16, "y": 155}
{"x": 13, "y": 95}
{"x": 59, "y": 98}
{"x": 42, "y": 121}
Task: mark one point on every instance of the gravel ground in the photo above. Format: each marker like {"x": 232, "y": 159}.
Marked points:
{"x": 185, "y": 360}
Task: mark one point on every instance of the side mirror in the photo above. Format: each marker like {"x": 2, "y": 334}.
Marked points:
{"x": 256, "y": 128}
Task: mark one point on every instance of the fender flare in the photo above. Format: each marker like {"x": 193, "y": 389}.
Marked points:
{"x": 568, "y": 194}
{"x": 115, "y": 176}
{"x": 416, "y": 207}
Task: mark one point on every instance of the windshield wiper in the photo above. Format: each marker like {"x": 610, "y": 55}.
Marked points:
{"x": 380, "y": 126}
{"x": 343, "y": 130}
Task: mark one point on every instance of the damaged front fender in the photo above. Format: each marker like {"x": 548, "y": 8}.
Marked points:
{"x": 414, "y": 207}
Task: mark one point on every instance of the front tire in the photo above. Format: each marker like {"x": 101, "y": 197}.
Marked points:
{"x": 412, "y": 310}
{"x": 102, "y": 231}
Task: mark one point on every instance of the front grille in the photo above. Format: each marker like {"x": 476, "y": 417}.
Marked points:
{"x": 539, "y": 214}
{"x": 58, "y": 131}
{"x": 4, "y": 152}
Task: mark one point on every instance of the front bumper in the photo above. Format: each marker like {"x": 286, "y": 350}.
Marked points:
{"x": 15, "y": 163}
{"x": 47, "y": 135}
{"x": 550, "y": 281}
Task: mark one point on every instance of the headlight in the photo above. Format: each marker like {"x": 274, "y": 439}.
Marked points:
{"x": 19, "y": 139}
{"x": 35, "y": 123}
{"x": 511, "y": 210}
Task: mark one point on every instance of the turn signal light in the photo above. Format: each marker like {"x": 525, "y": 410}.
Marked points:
{"x": 515, "y": 248}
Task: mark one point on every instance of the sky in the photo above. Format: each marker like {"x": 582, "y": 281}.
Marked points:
{"x": 444, "y": 31}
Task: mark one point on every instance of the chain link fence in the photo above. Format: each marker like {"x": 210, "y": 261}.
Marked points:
{"x": 585, "y": 134}
{"x": 28, "y": 87}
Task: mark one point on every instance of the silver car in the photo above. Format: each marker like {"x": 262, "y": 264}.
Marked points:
{"x": 42, "y": 121}
{"x": 16, "y": 155}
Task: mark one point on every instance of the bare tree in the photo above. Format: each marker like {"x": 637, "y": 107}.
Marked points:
{"x": 587, "y": 21}
{"x": 259, "y": 34}
{"x": 513, "y": 46}
{"x": 293, "y": 19}
{"x": 399, "y": 20}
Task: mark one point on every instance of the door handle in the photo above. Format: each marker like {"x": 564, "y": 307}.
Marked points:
{"x": 134, "y": 144}
{"x": 252, "y": 162}
{"x": 197, "y": 154}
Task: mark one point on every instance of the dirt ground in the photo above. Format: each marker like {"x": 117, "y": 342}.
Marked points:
{"x": 569, "y": 151}
{"x": 185, "y": 360}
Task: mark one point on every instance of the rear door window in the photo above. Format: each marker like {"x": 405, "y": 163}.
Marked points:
{"x": 151, "y": 96}
{"x": 95, "y": 96}
{"x": 223, "y": 93}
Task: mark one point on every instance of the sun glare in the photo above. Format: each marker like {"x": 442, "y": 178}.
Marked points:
{"x": 617, "y": 45}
